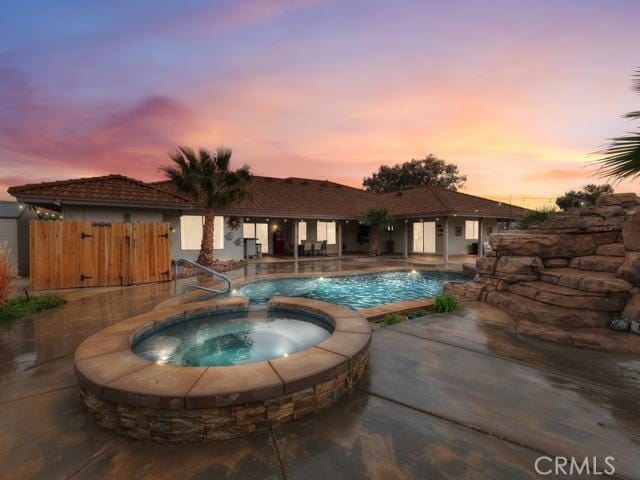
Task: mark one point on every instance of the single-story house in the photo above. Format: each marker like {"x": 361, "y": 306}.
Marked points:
{"x": 14, "y": 234}
{"x": 283, "y": 212}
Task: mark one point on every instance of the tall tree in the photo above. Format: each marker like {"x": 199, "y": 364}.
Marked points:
{"x": 207, "y": 178}
{"x": 377, "y": 219}
{"x": 430, "y": 171}
{"x": 582, "y": 198}
{"x": 622, "y": 156}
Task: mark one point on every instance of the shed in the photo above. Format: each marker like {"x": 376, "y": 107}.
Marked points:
{"x": 14, "y": 234}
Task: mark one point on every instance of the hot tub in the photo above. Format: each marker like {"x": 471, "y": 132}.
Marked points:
{"x": 217, "y": 369}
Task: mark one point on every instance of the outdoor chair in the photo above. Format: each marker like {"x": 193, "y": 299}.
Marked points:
{"x": 323, "y": 248}
{"x": 307, "y": 248}
{"x": 317, "y": 246}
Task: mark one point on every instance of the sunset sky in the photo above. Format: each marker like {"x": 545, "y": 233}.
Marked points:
{"x": 516, "y": 93}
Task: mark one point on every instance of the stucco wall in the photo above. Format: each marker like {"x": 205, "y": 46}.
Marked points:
{"x": 233, "y": 245}
{"x": 110, "y": 214}
{"x": 460, "y": 245}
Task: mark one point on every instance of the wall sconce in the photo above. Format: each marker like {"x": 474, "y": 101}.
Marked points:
{"x": 171, "y": 229}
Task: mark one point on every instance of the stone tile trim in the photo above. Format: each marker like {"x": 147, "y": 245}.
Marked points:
{"x": 177, "y": 404}
{"x": 375, "y": 313}
{"x": 222, "y": 423}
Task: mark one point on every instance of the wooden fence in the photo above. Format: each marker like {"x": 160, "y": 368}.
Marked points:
{"x": 71, "y": 254}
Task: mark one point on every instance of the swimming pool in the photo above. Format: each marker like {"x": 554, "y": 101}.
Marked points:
{"x": 354, "y": 291}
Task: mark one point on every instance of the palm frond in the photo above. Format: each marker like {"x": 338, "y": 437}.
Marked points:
{"x": 621, "y": 159}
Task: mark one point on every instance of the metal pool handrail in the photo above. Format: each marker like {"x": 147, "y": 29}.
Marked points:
{"x": 203, "y": 268}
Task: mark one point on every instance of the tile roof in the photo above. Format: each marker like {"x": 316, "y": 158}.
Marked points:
{"x": 109, "y": 188}
{"x": 274, "y": 197}
{"x": 269, "y": 196}
{"x": 438, "y": 201}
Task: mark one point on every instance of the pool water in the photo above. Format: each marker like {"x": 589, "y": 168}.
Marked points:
{"x": 233, "y": 338}
{"x": 353, "y": 291}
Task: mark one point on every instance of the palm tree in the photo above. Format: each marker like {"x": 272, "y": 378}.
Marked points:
{"x": 622, "y": 156}
{"x": 377, "y": 219}
{"x": 207, "y": 179}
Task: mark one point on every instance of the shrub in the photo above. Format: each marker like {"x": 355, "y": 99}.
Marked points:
{"x": 391, "y": 319}
{"x": 534, "y": 216}
{"x": 5, "y": 274}
{"x": 445, "y": 303}
{"x": 22, "y": 306}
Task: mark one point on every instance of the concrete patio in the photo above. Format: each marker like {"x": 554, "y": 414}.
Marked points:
{"x": 447, "y": 396}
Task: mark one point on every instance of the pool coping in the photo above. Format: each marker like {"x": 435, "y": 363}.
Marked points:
{"x": 107, "y": 368}
{"x": 371, "y": 313}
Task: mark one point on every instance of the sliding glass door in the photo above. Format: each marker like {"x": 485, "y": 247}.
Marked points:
{"x": 424, "y": 237}
{"x": 259, "y": 231}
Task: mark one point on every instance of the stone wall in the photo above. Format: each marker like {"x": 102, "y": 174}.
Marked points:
{"x": 180, "y": 426}
{"x": 564, "y": 280}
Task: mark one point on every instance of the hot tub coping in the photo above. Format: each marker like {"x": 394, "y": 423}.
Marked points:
{"x": 107, "y": 368}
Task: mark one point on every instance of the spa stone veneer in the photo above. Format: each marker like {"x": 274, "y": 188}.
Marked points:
{"x": 566, "y": 279}
{"x": 168, "y": 403}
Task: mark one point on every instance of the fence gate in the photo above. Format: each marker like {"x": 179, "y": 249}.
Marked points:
{"x": 71, "y": 254}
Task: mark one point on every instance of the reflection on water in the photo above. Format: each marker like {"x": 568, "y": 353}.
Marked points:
{"x": 233, "y": 339}
{"x": 353, "y": 291}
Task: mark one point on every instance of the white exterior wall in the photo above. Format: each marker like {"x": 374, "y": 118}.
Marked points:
{"x": 457, "y": 245}
{"x": 110, "y": 214}
{"x": 9, "y": 240}
{"x": 233, "y": 245}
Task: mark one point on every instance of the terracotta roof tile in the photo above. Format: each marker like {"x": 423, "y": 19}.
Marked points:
{"x": 114, "y": 188}
{"x": 273, "y": 197}
{"x": 438, "y": 201}
{"x": 269, "y": 196}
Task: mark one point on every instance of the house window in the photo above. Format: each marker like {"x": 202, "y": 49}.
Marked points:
{"x": 191, "y": 232}
{"x": 259, "y": 231}
{"x": 302, "y": 231}
{"x": 424, "y": 237}
{"x": 471, "y": 230}
{"x": 326, "y": 231}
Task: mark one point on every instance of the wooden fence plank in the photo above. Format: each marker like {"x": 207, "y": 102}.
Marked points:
{"x": 83, "y": 254}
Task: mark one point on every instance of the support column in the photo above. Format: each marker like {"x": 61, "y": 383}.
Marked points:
{"x": 445, "y": 240}
{"x": 296, "y": 235}
{"x": 405, "y": 239}
{"x": 480, "y": 238}
{"x": 339, "y": 238}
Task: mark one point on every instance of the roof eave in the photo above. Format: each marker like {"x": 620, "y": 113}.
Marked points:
{"x": 95, "y": 202}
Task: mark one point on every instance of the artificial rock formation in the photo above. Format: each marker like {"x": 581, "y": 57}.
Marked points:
{"x": 567, "y": 278}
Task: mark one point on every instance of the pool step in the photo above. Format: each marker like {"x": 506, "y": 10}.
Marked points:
{"x": 585, "y": 280}
{"x": 523, "y": 308}
{"x": 560, "y": 296}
